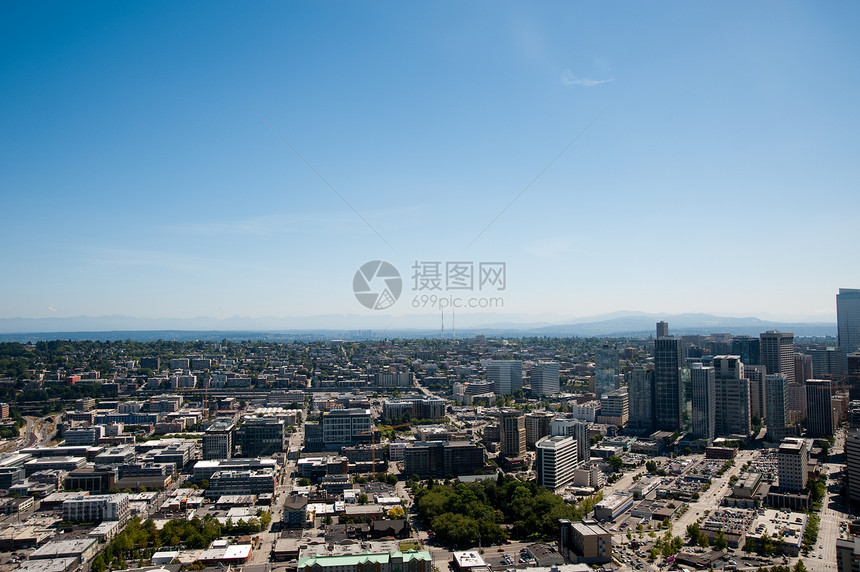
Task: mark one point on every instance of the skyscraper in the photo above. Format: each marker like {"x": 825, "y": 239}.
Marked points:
{"x": 819, "y": 412}
{"x": 662, "y": 329}
{"x": 640, "y": 387}
{"x": 733, "y": 397}
{"x": 748, "y": 348}
{"x": 555, "y": 461}
{"x": 605, "y": 370}
{"x": 506, "y": 375}
{"x": 758, "y": 390}
{"x": 668, "y": 391}
{"x": 776, "y": 390}
{"x": 848, "y": 320}
{"x": 576, "y": 429}
{"x": 777, "y": 353}
{"x": 544, "y": 378}
{"x": 703, "y": 380}
{"x": 512, "y": 430}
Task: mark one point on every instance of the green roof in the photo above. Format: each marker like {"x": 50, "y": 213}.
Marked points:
{"x": 353, "y": 560}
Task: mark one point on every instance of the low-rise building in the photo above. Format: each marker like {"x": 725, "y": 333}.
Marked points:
{"x": 97, "y": 508}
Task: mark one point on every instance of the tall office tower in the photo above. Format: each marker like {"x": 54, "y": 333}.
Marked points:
{"x": 748, "y": 348}
{"x": 662, "y": 329}
{"x": 544, "y": 378}
{"x": 729, "y": 367}
{"x": 777, "y": 353}
{"x": 803, "y": 367}
{"x": 852, "y": 454}
{"x": 758, "y": 399}
{"x": 506, "y": 375}
{"x": 703, "y": 380}
{"x": 640, "y": 387}
{"x": 537, "y": 427}
{"x": 792, "y": 464}
{"x": 776, "y": 390}
{"x": 668, "y": 391}
{"x": 576, "y": 429}
{"x": 555, "y": 461}
{"x": 848, "y": 320}
{"x": 512, "y": 430}
{"x": 826, "y": 364}
{"x": 733, "y": 397}
{"x": 605, "y": 370}
{"x": 819, "y": 413}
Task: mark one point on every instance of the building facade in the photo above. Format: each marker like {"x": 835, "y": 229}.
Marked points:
{"x": 704, "y": 398}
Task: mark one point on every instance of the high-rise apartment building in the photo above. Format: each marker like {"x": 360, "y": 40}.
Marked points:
{"x": 704, "y": 397}
{"x": 848, "y": 320}
{"x": 777, "y": 353}
{"x": 776, "y": 391}
{"x": 545, "y": 379}
{"x": 640, "y": 387}
{"x": 668, "y": 391}
{"x": 506, "y": 375}
{"x": 512, "y": 431}
{"x": 555, "y": 462}
{"x": 819, "y": 412}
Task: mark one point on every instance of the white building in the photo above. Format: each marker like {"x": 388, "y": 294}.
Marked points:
{"x": 793, "y": 464}
{"x": 556, "y": 461}
{"x": 96, "y": 508}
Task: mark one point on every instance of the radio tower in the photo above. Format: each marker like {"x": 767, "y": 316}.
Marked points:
{"x": 442, "y": 313}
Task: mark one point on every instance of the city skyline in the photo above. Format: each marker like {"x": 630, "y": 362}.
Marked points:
{"x": 197, "y": 160}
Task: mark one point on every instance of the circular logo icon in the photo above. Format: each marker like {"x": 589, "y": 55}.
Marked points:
{"x": 377, "y": 285}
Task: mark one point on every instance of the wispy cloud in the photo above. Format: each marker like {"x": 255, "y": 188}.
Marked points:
{"x": 568, "y": 78}
{"x": 52, "y": 309}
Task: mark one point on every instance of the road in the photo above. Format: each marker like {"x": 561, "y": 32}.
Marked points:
{"x": 268, "y": 538}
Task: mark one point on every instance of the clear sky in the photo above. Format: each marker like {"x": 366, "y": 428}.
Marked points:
{"x": 717, "y": 172}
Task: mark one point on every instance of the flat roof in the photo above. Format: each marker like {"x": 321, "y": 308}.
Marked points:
{"x": 353, "y": 560}
{"x": 469, "y": 559}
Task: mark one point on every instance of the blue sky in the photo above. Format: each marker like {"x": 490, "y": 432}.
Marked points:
{"x": 139, "y": 174}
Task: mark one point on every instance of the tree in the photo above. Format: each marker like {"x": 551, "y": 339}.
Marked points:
{"x": 800, "y": 566}
{"x": 98, "y": 564}
{"x": 616, "y": 462}
{"x": 749, "y": 545}
{"x": 362, "y": 498}
{"x": 703, "y": 539}
{"x": 720, "y": 542}
{"x": 693, "y": 532}
{"x": 651, "y": 466}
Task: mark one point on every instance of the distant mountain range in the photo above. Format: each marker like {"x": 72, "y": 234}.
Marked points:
{"x": 376, "y": 326}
